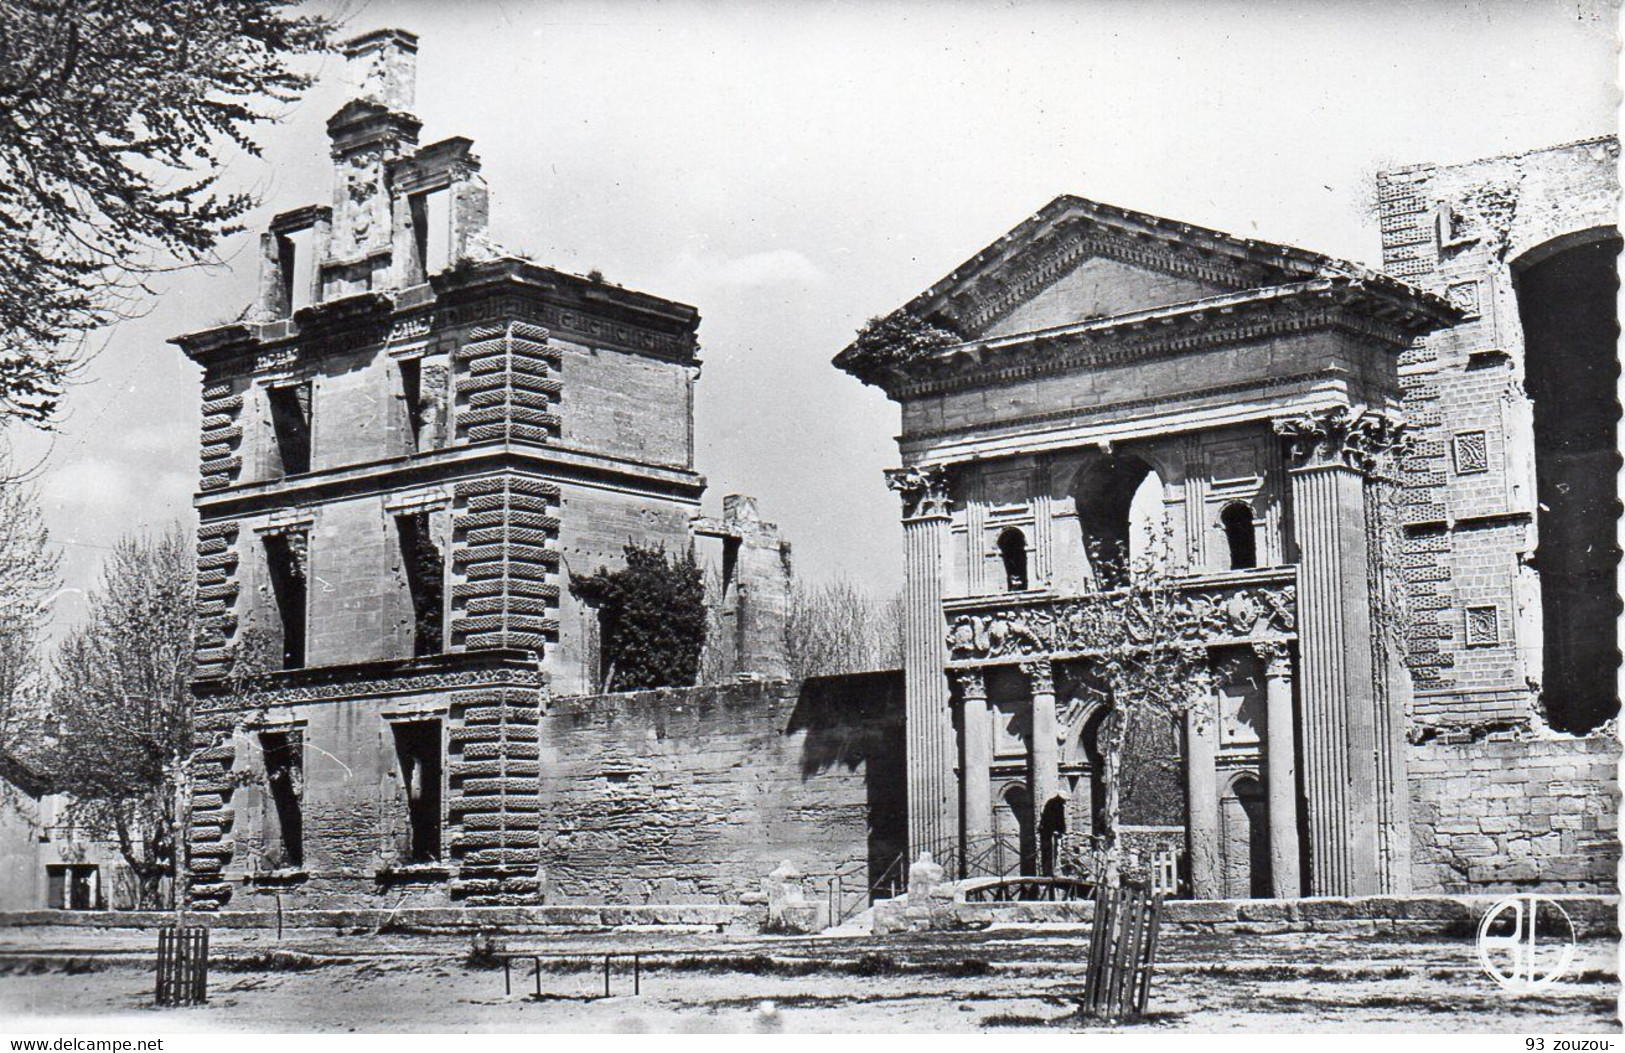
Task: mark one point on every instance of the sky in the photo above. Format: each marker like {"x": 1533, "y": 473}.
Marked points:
{"x": 794, "y": 168}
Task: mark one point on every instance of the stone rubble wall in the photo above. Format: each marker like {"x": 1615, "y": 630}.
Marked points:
{"x": 694, "y": 795}
{"x": 1515, "y": 814}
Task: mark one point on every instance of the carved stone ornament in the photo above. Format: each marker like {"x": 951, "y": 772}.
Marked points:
{"x": 924, "y": 490}
{"x": 1041, "y": 674}
{"x": 972, "y": 685}
{"x": 1276, "y": 656}
{"x": 1342, "y": 436}
{"x": 1202, "y": 615}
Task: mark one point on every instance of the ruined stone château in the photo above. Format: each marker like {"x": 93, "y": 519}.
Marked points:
{"x": 408, "y": 445}
{"x": 413, "y": 441}
{"x": 1102, "y": 363}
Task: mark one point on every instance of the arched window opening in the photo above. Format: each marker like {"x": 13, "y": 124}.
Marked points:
{"x": 1120, "y": 510}
{"x": 1013, "y": 551}
{"x": 1244, "y": 848}
{"x": 1566, "y": 301}
{"x": 1239, "y": 534}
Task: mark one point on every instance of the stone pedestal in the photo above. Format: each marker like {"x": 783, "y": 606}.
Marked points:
{"x": 1281, "y": 772}
{"x": 930, "y": 746}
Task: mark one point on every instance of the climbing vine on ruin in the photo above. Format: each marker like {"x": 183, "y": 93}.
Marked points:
{"x": 896, "y": 340}
{"x": 651, "y": 619}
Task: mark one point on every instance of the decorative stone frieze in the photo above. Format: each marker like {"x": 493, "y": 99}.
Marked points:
{"x": 1206, "y": 614}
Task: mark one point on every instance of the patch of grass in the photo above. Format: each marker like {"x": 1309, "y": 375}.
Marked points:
{"x": 484, "y": 952}
{"x": 270, "y": 962}
{"x": 43, "y": 966}
{"x": 1017, "y": 1020}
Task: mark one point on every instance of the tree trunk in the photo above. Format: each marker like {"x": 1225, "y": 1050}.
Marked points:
{"x": 180, "y": 821}
{"x": 1111, "y": 756}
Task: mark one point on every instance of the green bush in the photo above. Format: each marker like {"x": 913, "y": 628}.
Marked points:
{"x": 651, "y": 619}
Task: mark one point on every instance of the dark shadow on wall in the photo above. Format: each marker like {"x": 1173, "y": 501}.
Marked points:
{"x": 855, "y": 720}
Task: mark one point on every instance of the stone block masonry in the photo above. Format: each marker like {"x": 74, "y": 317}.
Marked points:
{"x": 690, "y": 796}
{"x": 1509, "y": 814}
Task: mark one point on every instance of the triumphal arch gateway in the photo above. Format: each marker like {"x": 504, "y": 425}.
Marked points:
{"x": 1096, "y": 364}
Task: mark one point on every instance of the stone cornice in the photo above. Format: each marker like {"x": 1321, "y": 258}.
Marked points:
{"x": 554, "y": 463}
{"x": 572, "y": 306}
{"x": 463, "y": 670}
{"x": 1344, "y": 305}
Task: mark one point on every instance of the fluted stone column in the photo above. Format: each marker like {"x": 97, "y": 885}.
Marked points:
{"x": 1329, "y": 454}
{"x": 1202, "y": 789}
{"x": 929, "y": 734}
{"x": 1281, "y": 770}
{"x": 976, "y": 759}
{"x": 1045, "y": 755}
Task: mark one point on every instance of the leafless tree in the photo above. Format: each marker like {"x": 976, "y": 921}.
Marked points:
{"x": 28, "y": 581}
{"x": 116, "y": 117}
{"x": 840, "y": 627}
{"x": 1143, "y": 668}
{"x": 832, "y": 627}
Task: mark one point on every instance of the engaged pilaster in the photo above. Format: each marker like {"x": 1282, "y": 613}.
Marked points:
{"x": 1201, "y": 785}
{"x": 929, "y": 753}
{"x": 1280, "y": 760}
{"x": 1330, "y": 452}
{"x": 976, "y": 753}
{"x": 1045, "y": 756}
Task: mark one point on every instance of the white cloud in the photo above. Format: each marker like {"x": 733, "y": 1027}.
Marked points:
{"x": 89, "y": 483}
{"x": 758, "y": 270}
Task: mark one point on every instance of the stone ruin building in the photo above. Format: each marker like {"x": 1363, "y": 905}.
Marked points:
{"x": 414, "y": 440}
{"x": 410, "y": 444}
{"x": 1254, "y": 398}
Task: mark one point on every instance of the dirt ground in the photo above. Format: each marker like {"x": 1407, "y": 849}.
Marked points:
{"x": 1001, "y": 978}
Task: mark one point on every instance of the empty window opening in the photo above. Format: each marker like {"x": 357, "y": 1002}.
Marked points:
{"x": 412, "y": 401}
{"x": 425, "y": 579}
{"x": 1013, "y": 551}
{"x": 296, "y": 263}
{"x": 417, "y": 745}
{"x": 73, "y": 886}
{"x": 1240, "y": 535}
{"x": 290, "y": 422}
{"x": 1120, "y": 510}
{"x": 431, "y": 232}
{"x": 284, "y": 752}
{"x": 1566, "y": 301}
{"x": 285, "y": 556}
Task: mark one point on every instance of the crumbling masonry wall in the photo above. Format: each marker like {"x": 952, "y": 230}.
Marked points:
{"x": 1499, "y": 815}
{"x": 1499, "y": 800}
{"x": 694, "y": 795}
